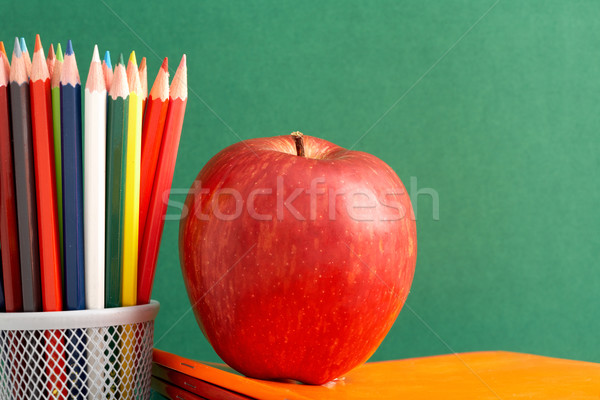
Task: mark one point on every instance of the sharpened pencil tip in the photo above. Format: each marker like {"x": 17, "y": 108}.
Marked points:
{"x": 38, "y": 43}
{"x": 2, "y": 48}
{"x": 107, "y": 59}
{"x": 23, "y": 46}
{"x": 165, "y": 65}
{"x": 17, "y": 50}
{"x": 132, "y": 58}
{"x": 95, "y": 56}
{"x": 183, "y": 60}
{"x": 69, "y": 50}
{"x": 51, "y": 53}
{"x": 121, "y": 59}
{"x": 59, "y": 53}
{"x": 143, "y": 63}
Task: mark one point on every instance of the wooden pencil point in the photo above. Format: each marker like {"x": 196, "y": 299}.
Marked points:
{"x": 59, "y": 53}
{"x": 132, "y": 58}
{"x": 23, "y": 45}
{"x": 38, "y": 43}
{"x": 17, "y": 49}
{"x": 69, "y": 49}
{"x": 179, "y": 85}
{"x": 95, "y": 55}
{"x": 107, "y": 59}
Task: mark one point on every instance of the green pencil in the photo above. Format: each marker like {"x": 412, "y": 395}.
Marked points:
{"x": 116, "y": 151}
{"x": 55, "y": 91}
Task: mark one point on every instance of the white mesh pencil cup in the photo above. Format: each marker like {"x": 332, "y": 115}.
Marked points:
{"x": 88, "y": 354}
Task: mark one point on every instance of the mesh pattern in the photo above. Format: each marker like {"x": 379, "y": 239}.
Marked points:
{"x": 113, "y": 362}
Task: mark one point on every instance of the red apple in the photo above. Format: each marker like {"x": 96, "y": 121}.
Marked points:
{"x": 297, "y": 256}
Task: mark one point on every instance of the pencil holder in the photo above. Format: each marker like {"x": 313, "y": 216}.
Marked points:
{"x": 88, "y": 354}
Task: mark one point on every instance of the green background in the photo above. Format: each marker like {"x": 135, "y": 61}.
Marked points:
{"x": 492, "y": 104}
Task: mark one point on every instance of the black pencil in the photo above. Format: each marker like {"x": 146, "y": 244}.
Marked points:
{"x": 25, "y": 182}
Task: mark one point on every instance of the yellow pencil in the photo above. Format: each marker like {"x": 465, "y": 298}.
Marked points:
{"x": 131, "y": 217}
{"x": 132, "y": 185}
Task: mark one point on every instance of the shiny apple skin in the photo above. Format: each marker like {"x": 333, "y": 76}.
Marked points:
{"x": 287, "y": 298}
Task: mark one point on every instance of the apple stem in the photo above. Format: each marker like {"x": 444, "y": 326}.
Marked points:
{"x": 299, "y": 143}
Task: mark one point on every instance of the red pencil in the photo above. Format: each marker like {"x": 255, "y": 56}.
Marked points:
{"x": 9, "y": 234}
{"x": 143, "y": 71}
{"x": 51, "y": 60}
{"x": 45, "y": 181}
{"x": 162, "y": 182}
{"x": 152, "y": 133}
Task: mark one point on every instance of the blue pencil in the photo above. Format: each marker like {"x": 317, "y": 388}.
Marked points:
{"x": 72, "y": 180}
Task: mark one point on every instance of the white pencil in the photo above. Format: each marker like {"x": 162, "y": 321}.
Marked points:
{"x": 93, "y": 214}
{"x": 94, "y": 183}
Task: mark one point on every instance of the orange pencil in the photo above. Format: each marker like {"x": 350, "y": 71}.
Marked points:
{"x": 162, "y": 182}
{"x": 51, "y": 60}
{"x": 152, "y": 133}
{"x": 143, "y": 70}
{"x": 43, "y": 152}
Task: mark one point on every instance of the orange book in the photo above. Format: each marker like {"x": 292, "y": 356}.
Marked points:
{"x": 479, "y": 375}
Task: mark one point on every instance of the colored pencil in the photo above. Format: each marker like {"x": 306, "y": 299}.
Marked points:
{"x": 116, "y": 150}
{"x": 95, "y": 183}
{"x": 131, "y": 216}
{"x": 74, "y": 261}
{"x": 9, "y": 234}
{"x": 70, "y": 120}
{"x": 162, "y": 180}
{"x": 143, "y": 69}
{"x": 25, "y": 182}
{"x": 94, "y": 210}
{"x": 43, "y": 138}
{"x": 132, "y": 186}
{"x": 26, "y": 56}
{"x": 50, "y": 60}
{"x": 107, "y": 70}
{"x": 55, "y": 91}
{"x": 43, "y": 151}
{"x": 26, "y": 203}
{"x": 152, "y": 132}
